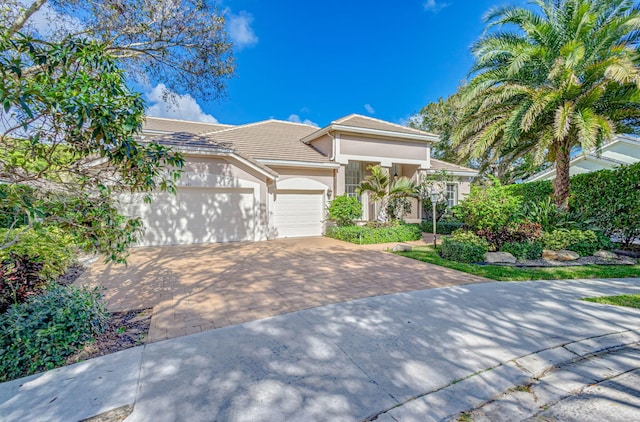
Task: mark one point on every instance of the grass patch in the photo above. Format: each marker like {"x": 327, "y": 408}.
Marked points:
{"x": 504, "y": 273}
{"x": 632, "y": 301}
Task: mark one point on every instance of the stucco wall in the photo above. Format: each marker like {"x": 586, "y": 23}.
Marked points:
{"x": 324, "y": 144}
{"x": 324, "y": 176}
{"x": 369, "y": 147}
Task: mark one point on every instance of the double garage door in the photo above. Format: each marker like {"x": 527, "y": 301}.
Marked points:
{"x": 211, "y": 215}
{"x": 197, "y": 215}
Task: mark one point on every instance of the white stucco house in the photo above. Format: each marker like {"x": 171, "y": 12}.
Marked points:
{"x": 274, "y": 179}
{"x": 621, "y": 150}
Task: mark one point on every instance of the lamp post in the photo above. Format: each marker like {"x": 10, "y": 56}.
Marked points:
{"x": 434, "y": 199}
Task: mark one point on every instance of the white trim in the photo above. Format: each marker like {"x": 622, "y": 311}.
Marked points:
{"x": 366, "y": 131}
{"x": 290, "y": 163}
{"x": 384, "y": 161}
{"x": 454, "y": 173}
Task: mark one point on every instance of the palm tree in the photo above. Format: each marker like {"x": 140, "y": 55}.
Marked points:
{"x": 566, "y": 78}
{"x": 381, "y": 189}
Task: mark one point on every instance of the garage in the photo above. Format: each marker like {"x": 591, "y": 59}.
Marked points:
{"x": 298, "y": 213}
{"x": 197, "y": 215}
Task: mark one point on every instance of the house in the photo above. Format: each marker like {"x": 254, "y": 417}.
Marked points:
{"x": 274, "y": 179}
{"x": 622, "y": 150}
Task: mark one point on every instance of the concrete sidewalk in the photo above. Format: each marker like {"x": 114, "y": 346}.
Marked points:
{"x": 370, "y": 358}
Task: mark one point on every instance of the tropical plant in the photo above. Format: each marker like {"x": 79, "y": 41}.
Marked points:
{"x": 344, "y": 210}
{"x": 566, "y": 78}
{"x": 382, "y": 188}
{"x": 488, "y": 207}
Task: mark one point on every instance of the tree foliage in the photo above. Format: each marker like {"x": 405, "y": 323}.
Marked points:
{"x": 67, "y": 142}
{"x": 182, "y": 44}
{"x": 551, "y": 78}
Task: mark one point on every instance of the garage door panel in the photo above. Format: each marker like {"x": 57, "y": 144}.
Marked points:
{"x": 298, "y": 213}
{"x": 197, "y": 215}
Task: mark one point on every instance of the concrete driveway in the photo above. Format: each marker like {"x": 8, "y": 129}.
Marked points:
{"x": 202, "y": 287}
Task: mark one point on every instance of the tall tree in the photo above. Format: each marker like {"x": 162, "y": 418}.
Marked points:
{"x": 182, "y": 44}
{"x": 550, "y": 78}
{"x": 68, "y": 146}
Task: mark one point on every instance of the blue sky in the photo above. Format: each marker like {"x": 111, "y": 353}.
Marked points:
{"x": 318, "y": 61}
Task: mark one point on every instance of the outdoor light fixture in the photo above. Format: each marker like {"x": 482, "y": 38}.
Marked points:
{"x": 329, "y": 193}
{"x": 395, "y": 176}
{"x": 434, "y": 194}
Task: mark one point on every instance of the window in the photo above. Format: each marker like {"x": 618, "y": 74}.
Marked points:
{"x": 353, "y": 177}
{"x": 452, "y": 194}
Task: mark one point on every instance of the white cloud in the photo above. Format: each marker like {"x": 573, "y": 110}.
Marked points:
{"x": 164, "y": 103}
{"x": 240, "y": 31}
{"x": 434, "y": 6}
{"x": 296, "y": 119}
{"x": 370, "y": 109}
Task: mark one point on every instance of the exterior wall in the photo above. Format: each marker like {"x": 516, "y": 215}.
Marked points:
{"x": 340, "y": 180}
{"x": 386, "y": 151}
{"x": 464, "y": 188}
{"x": 324, "y": 176}
{"x": 201, "y": 171}
{"x": 324, "y": 144}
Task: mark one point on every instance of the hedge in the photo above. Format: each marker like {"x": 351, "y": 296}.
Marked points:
{"x": 367, "y": 235}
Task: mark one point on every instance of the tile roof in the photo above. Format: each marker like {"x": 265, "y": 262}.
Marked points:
{"x": 202, "y": 142}
{"x": 271, "y": 140}
{"x": 359, "y": 121}
{"x": 438, "y": 165}
{"x": 160, "y": 124}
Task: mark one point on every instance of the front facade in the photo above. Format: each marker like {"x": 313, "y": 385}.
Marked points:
{"x": 274, "y": 179}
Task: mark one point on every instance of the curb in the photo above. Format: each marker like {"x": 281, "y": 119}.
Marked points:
{"x": 482, "y": 387}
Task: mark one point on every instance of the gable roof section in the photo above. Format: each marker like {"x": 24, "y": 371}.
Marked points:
{"x": 364, "y": 125}
{"x": 271, "y": 140}
{"x": 439, "y": 165}
{"x": 199, "y": 144}
{"x": 164, "y": 125}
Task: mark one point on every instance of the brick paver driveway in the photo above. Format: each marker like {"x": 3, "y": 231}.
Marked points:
{"x": 202, "y": 287}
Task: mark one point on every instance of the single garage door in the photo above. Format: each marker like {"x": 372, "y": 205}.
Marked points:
{"x": 197, "y": 215}
{"x": 298, "y": 213}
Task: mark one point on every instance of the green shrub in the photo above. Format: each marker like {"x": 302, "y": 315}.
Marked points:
{"x": 488, "y": 207}
{"x": 344, "y": 210}
{"x": 442, "y": 227}
{"x": 50, "y": 246}
{"x": 584, "y": 242}
{"x": 537, "y": 192}
{"x": 610, "y": 200}
{"x": 459, "y": 251}
{"x": 366, "y": 235}
{"x": 466, "y": 236}
{"x": 524, "y": 250}
{"x": 41, "y": 333}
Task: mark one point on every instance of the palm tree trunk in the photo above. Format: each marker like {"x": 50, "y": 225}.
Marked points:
{"x": 561, "y": 182}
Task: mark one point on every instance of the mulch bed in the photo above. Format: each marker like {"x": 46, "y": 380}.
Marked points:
{"x": 124, "y": 330}
{"x": 585, "y": 260}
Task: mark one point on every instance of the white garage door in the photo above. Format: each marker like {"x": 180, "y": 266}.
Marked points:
{"x": 197, "y": 215}
{"x": 298, "y": 213}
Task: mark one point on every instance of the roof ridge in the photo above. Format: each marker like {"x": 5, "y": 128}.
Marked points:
{"x": 187, "y": 121}
{"x": 380, "y": 121}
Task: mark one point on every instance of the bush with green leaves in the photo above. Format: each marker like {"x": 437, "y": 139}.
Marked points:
{"x": 51, "y": 246}
{"x": 466, "y": 236}
{"x": 345, "y": 210}
{"x": 461, "y": 251}
{"x": 41, "y": 333}
{"x": 610, "y": 199}
{"x": 395, "y": 232}
{"x": 524, "y": 250}
{"x": 442, "y": 227}
{"x": 584, "y": 242}
{"x": 488, "y": 207}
